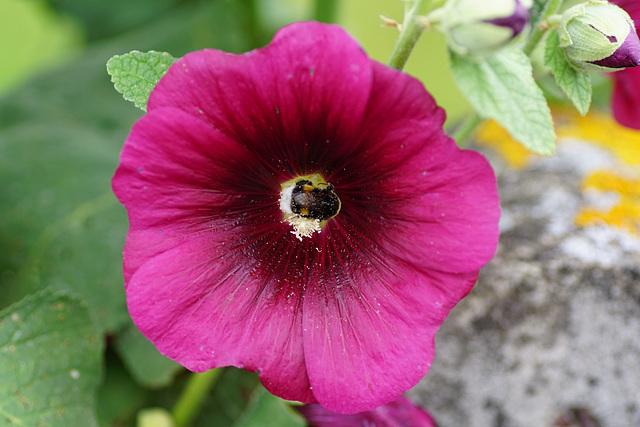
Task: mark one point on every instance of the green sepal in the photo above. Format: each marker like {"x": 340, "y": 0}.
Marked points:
{"x": 135, "y": 74}
{"x": 502, "y": 87}
{"x": 574, "y": 83}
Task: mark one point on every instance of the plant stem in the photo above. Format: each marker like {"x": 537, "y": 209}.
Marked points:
{"x": 465, "y": 130}
{"x": 540, "y": 29}
{"x": 325, "y": 11}
{"x": 411, "y": 31}
{"x": 192, "y": 396}
{"x": 252, "y": 23}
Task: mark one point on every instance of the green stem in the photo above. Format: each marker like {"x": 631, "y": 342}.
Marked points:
{"x": 253, "y": 23}
{"x": 325, "y": 10}
{"x": 541, "y": 28}
{"x": 466, "y": 129}
{"x": 411, "y": 31}
{"x": 194, "y": 393}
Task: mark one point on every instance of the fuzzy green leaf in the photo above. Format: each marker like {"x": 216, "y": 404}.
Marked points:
{"x": 574, "y": 83}
{"x": 502, "y": 87}
{"x": 135, "y": 74}
{"x": 50, "y": 362}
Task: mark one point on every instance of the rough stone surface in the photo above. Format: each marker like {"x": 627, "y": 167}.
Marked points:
{"x": 554, "y": 321}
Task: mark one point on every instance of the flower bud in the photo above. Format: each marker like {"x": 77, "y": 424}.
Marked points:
{"x": 598, "y": 35}
{"x": 479, "y": 27}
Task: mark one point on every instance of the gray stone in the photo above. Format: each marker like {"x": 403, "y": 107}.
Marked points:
{"x": 554, "y": 320}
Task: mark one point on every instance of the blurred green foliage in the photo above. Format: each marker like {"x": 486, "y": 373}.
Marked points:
{"x": 33, "y": 36}
{"x": 36, "y": 34}
{"x": 104, "y": 19}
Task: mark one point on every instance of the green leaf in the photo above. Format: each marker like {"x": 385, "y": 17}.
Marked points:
{"x": 574, "y": 83}
{"x": 266, "y": 410}
{"x": 502, "y": 88}
{"x": 135, "y": 74}
{"x": 146, "y": 364}
{"x": 50, "y": 362}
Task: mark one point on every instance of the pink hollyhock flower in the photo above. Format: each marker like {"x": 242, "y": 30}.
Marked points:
{"x": 626, "y": 90}
{"x": 398, "y": 413}
{"x": 298, "y": 211}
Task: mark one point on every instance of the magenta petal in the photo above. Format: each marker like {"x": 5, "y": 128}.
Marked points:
{"x": 167, "y": 163}
{"x": 367, "y": 342}
{"x": 311, "y": 79}
{"x": 451, "y": 201}
{"x": 626, "y": 56}
{"x": 173, "y": 183}
{"x": 626, "y": 97}
{"x": 186, "y": 291}
{"x": 400, "y": 412}
{"x": 179, "y": 195}
{"x": 626, "y": 92}
{"x": 438, "y": 204}
{"x": 214, "y": 312}
{"x": 214, "y": 275}
{"x": 419, "y": 221}
{"x": 517, "y": 21}
{"x": 632, "y": 7}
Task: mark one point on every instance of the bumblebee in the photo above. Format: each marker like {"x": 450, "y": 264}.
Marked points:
{"x": 316, "y": 202}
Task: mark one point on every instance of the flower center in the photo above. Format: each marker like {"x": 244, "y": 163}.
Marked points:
{"x": 307, "y": 203}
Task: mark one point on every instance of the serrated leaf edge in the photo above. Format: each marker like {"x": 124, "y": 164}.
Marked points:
{"x": 110, "y": 70}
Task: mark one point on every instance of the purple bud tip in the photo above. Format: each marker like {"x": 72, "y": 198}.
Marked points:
{"x": 626, "y": 56}
{"x": 516, "y": 21}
